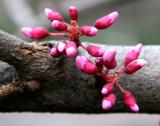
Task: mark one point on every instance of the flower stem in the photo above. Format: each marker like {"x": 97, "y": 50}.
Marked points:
{"x": 107, "y": 71}
{"x": 58, "y": 34}
{"x": 100, "y": 75}
{"x": 120, "y": 70}
{"x": 119, "y": 86}
{"x": 83, "y": 46}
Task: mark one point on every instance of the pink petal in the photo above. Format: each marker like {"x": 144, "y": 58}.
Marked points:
{"x": 55, "y": 53}
{"x": 133, "y": 54}
{"x": 106, "y": 21}
{"x": 89, "y": 30}
{"x": 89, "y": 68}
{"x": 107, "y": 88}
{"x": 106, "y": 105}
{"x": 61, "y": 46}
{"x": 95, "y": 51}
{"x": 59, "y": 26}
{"x": 113, "y": 16}
{"x": 73, "y": 13}
{"x": 53, "y": 15}
{"x": 99, "y": 64}
{"x": 71, "y": 52}
{"x": 80, "y": 62}
{"x": 108, "y": 101}
{"x": 134, "y": 66}
{"x": 71, "y": 49}
{"x": 26, "y": 31}
{"x": 130, "y": 101}
{"x": 134, "y": 108}
{"x": 104, "y": 91}
{"x": 35, "y": 32}
{"x": 109, "y": 59}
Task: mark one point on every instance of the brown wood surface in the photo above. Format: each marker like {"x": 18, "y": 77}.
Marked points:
{"x": 63, "y": 88}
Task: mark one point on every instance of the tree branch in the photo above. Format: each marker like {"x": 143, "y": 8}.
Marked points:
{"x": 64, "y": 88}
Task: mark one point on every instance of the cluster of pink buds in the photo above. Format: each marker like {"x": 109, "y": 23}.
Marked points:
{"x": 131, "y": 65}
{"x": 72, "y": 31}
{"x": 105, "y": 60}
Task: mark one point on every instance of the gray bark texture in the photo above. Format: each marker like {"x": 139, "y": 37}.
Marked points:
{"x": 55, "y": 85}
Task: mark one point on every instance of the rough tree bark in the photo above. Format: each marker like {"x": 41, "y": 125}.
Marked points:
{"x": 40, "y": 83}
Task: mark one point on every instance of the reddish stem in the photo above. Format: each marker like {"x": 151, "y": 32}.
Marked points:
{"x": 82, "y": 46}
{"x": 58, "y": 34}
{"x": 100, "y": 75}
{"x": 119, "y": 86}
{"x": 107, "y": 71}
{"x": 120, "y": 70}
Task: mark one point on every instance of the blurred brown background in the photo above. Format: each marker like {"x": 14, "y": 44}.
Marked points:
{"x": 139, "y": 20}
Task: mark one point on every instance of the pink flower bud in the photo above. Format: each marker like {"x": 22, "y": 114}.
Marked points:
{"x": 133, "y": 54}
{"x": 89, "y": 30}
{"x": 85, "y": 65}
{"x": 55, "y": 53}
{"x": 53, "y": 15}
{"x": 35, "y": 32}
{"x": 109, "y": 59}
{"x": 107, "y": 88}
{"x": 108, "y": 101}
{"x": 95, "y": 51}
{"x": 73, "y": 13}
{"x": 59, "y": 26}
{"x": 134, "y": 66}
{"x": 130, "y": 101}
{"x": 80, "y": 62}
{"x": 89, "y": 68}
{"x": 106, "y": 21}
{"x": 61, "y": 46}
{"x": 71, "y": 49}
{"x": 99, "y": 64}
{"x": 113, "y": 16}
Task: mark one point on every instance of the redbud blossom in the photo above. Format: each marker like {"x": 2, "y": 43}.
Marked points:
{"x": 89, "y": 30}
{"x": 35, "y": 32}
{"x": 80, "y": 62}
{"x": 61, "y": 46}
{"x": 133, "y": 54}
{"x": 99, "y": 64}
{"x": 59, "y": 26}
{"x": 109, "y": 59}
{"x": 107, "y": 88}
{"x": 134, "y": 66}
{"x": 106, "y": 21}
{"x": 73, "y": 13}
{"x": 71, "y": 49}
{"x": 89, "y": 68}
{"x": 85, "y": 65}
{"x": 53, "y": 15}
{"x": 55, "y": 53}
{"x": 104, "y": 59}
{"x": 130, "y": 101}
{"x": 113, "y": 16}
{"x": 95, "y": 51}
{"x": 108, "y": 101}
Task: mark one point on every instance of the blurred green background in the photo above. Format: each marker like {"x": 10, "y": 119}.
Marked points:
{"x": 139, "y": 20}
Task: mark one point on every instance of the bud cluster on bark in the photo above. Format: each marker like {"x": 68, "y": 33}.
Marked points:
{"x": 101, "y": 61}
